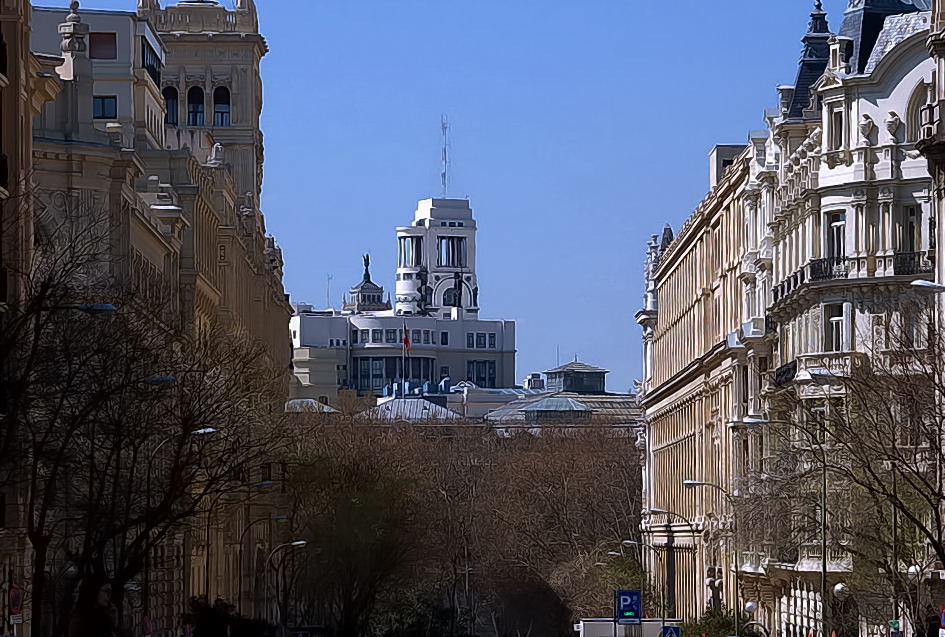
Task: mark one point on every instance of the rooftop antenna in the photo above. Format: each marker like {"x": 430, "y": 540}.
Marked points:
{"x": 557, "y": 355}
{"x": 328, "y": 294}
{"x": 444, "y": 175}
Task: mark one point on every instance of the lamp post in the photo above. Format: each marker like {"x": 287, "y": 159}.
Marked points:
{"x": 271, "y": 518}
{"x": 670, "y": 577}
{"x": 692, "y": 484}
{"x": 147, "y": 557}
{"x": 286, "y": 545}
{"x": 658, "y": 555}
{"x": 213, "y": 503}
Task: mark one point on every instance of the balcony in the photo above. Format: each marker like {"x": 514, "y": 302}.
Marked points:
{"x": 911, "y": 263}
{"x": 831, "y": 364}
{"x": 828, "y": 269}
{"x": 785, "y": 374}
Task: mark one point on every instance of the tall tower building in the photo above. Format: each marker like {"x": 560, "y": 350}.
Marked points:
{"x": 436, "y": 266}
{"x": 212, "y": 80}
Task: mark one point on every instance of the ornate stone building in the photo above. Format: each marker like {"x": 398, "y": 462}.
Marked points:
{"x": 834, "y": 204}
{"x": 182, "y": 196}
{"x": 694, "y": 375}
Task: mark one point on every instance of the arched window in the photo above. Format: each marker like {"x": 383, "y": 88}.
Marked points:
{"x": 221, "y": 106}
{"x": 195, "y": 106}
{"x": 450, "y": 297}
{"x": 914, "y": 114}
{"x": 171, "y": 103}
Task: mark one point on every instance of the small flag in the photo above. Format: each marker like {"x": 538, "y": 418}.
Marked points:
{"x": 406, "y": 338}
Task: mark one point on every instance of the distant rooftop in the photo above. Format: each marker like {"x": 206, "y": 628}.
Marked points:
{"x": 578, "y": 366}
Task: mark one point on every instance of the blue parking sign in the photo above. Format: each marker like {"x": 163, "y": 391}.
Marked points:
{"x": 628, "y": 607}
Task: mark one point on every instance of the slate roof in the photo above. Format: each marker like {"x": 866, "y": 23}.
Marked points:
{"x": 557, "y": 403}
{"x": 299, "y": 405}
{"x": 861, "y": 26}
{"x": 896, "y": 28}
{"x": 577, "y": 366}
{"x": 813, "y": 62}
{"x": 408, "y": 410}
{"x": 617, "y": 409}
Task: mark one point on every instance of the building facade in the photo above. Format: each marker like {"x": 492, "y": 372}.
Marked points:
{"x": 181, "y": 198}
{"x": 695, "y": 371}
{"x": 835, "y": 222}
{"x": 362, "y": 346}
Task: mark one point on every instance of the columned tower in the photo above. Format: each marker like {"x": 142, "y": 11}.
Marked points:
{"x": 212, "y": 79}
{"x": 436, "y": 265}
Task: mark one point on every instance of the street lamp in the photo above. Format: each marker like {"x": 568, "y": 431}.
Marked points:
{"x": 286, "y": 545}
{"x": 659, "y": 556}
{"x": 927, "y": 286}
{"x": 271, "y": 518}
{"x": 693, "y": 484}
{"x": 147, "y": 558}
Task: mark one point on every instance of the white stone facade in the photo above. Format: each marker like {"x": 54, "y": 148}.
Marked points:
{"x": 437, "y": 299}
{"x": 836, "y": 223}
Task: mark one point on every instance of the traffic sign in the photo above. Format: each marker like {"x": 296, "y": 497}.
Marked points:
{"x": 628, "y": 607}
{"x": 15, "y": 597}
{"x": 672, "y": 631}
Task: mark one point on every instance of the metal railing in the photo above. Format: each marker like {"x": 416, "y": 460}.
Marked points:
{"x": 828, "y": 269}
{"x": 785, "y": 374}
{"x": 911, "y": 263}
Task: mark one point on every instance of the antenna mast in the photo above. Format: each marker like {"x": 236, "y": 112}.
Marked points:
{"x": 444, "y": 175}
{"x": 328, "y": 294}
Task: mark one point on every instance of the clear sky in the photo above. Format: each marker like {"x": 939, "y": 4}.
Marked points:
{"x": 579, "y": 129}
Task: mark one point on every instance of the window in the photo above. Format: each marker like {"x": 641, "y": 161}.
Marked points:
{"x": 411, "y": 252}
{"x": 364, "y": 336}
{"x": 195, "y": 106}
{"x": 444, "y": 372}
{"x": 151, "y": 61}
{"x": 451, "y": 252}
{"x": 833, "y": 328}
{"x": 914, "y": 114}
{"x": 909, "y": 242}
{"x": 836, "y": 238}
{"x": 444, "y": 338}
{"x": 451, "y": 297}
{"x": 390, "y": 336}
{"x": 482, "y": 373}
{"x": 481, "y": 340}
{"x": 377, "y": 336}
{"x": 415, "y": 337}
{"x": 836, "y": 129}
{"x": 105, "y": 107}
{"x": 103, "y": 46}
{"x": 491, "y": 340}
{"x": 426, "y": 337}
{"x": 171, "y": 103}
{"x": 354, "y": 337}
{"x": 221, "y": 106}
{"x": 470, "y": 340}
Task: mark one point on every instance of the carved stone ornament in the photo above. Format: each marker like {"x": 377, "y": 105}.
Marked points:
{"x": 892, "y": 122}
{"x": 866, "y": 126}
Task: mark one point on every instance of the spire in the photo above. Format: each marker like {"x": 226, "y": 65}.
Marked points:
{"x": 813, "y": 61}
{"x": 818, "y": 19}
{"x": 367, "y": 267}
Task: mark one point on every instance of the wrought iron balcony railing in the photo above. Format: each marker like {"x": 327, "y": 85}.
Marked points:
{"x": 911, "y": 263}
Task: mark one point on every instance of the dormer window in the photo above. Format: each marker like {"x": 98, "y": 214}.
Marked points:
{"x": 836, "y": 128}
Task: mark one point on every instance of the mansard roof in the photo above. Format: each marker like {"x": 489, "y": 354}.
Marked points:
{"x": 896, "y": 29}
{"x": 863, "y": 22}
{"x": 813, "y": 61}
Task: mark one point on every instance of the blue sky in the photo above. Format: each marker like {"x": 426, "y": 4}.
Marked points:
{"x": 579, "y": 129}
